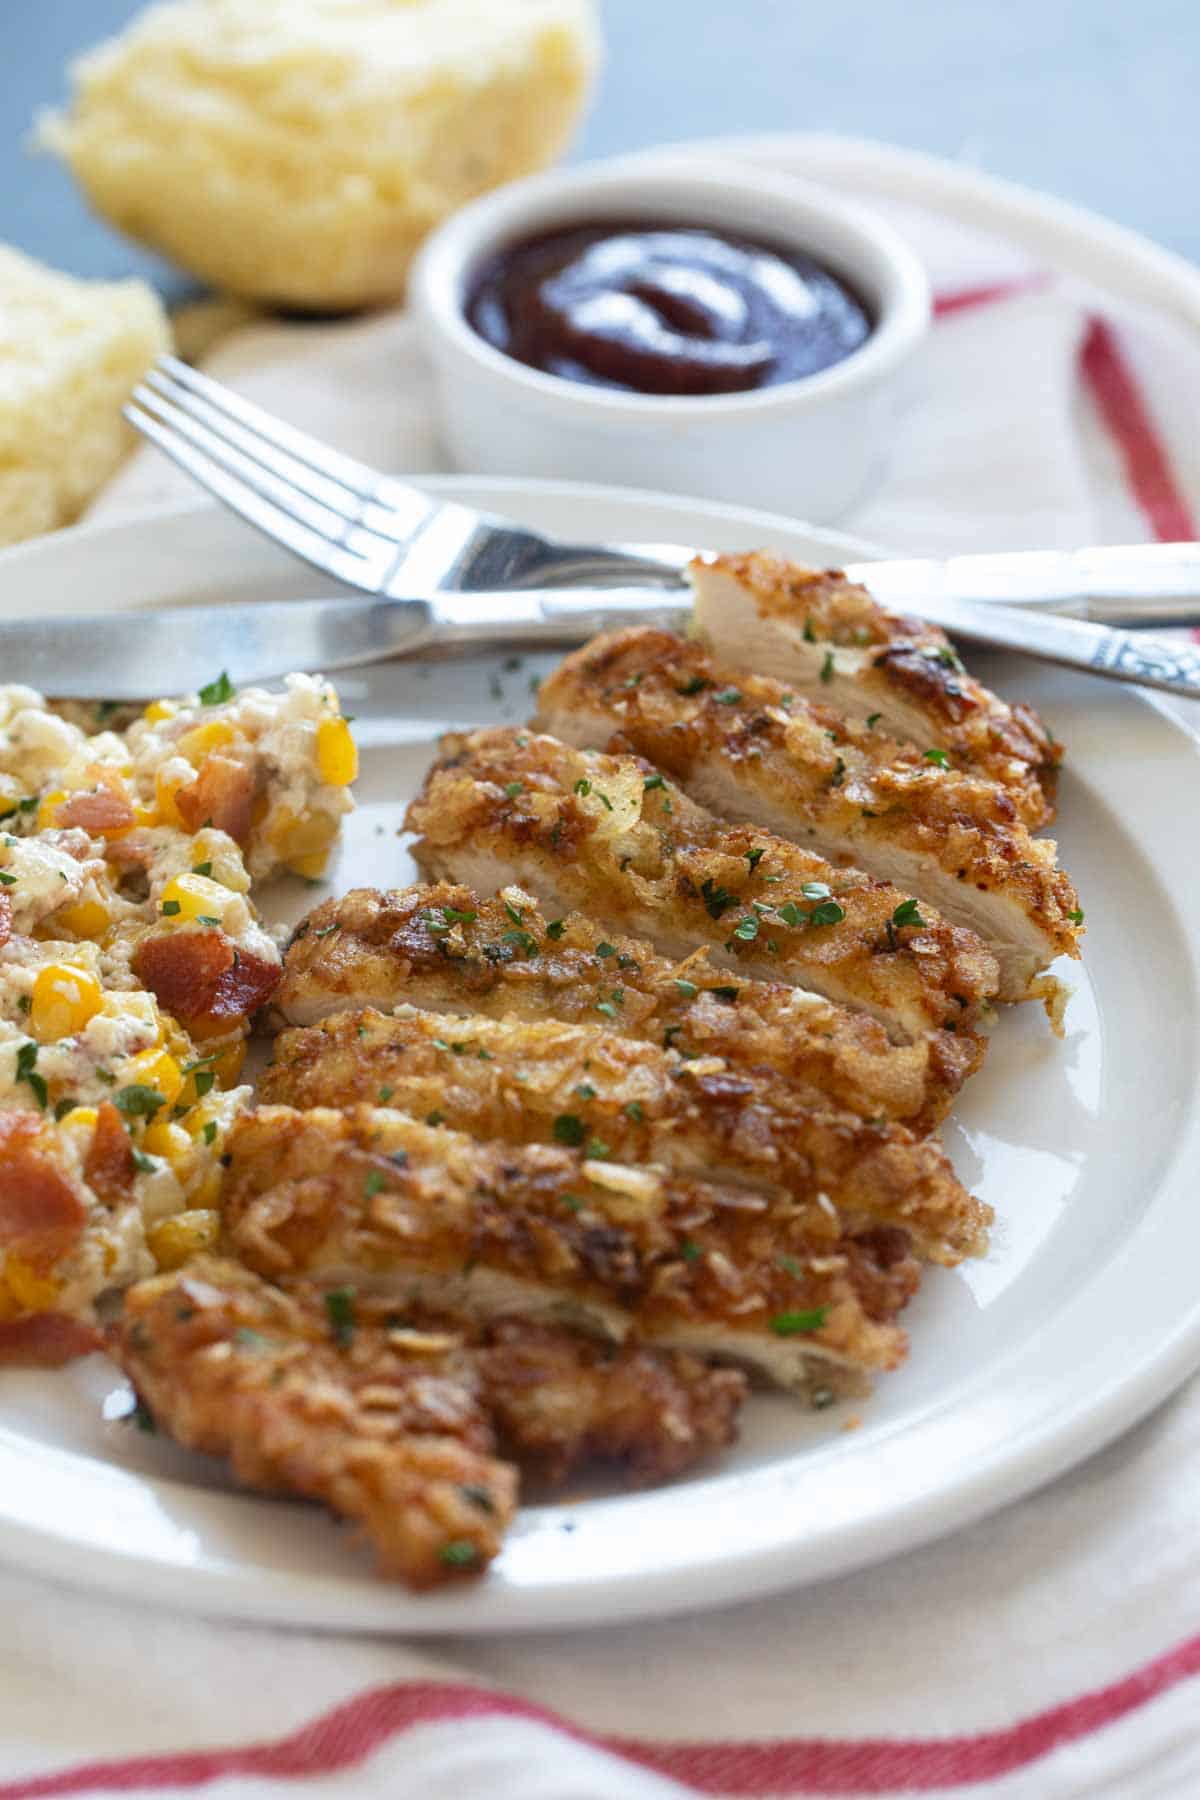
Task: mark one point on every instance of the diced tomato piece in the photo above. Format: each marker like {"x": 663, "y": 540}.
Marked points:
{"x": 222, "y": 796}
{"x": 201, "y": 977}
{"x": 109, "y": 1168}
{"x": 41, "y": 1214}
{"x": 46, "y": 1340}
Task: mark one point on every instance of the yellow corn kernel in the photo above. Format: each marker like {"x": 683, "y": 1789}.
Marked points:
{"x": 311, "y": 868}
{"x": 154, "y": 1069}
{"x": 228, "y": 1064}
{"x": 85, "y": 919}
{"x": 166, "y": 787}
{"x": 31, "y": 1291}
{"x": 134, "y": 1005}
{"x": 64, "y": 999}
{"x": 158, "y": 710}
{"x": 196, "y": 743}
{"x": 48, "y": 807}
{"x": 143, "y": 814}
{"x": 196, "y": 897}
{"x": 296, "y": 837}
{"x": 169, "y": 1141}
{"x": 337, "y": 753}
{"x": 207, "y": 1191}
{"x": 173, "y": 1241}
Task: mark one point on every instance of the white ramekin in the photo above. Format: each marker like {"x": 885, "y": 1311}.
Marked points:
{"x": 810, "y": 448}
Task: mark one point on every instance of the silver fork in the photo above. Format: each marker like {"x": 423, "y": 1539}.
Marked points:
{"x": 484, "y": 578}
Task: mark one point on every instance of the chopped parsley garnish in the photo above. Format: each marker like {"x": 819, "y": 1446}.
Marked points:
{"x": 839, "y": 773}
{"x": 688, "y": 989}
{"x": 556, "y": 928}
{"x": 873, "y": 720}
{"x": 434, "y": 1118}
{"x": 754, "y": 857}
{"x": 607, "y": 1008}
{"x": 459, "y": 1553}
{"x": 605, "y": 950}
{"x": 746, "y": 929}
{"x": 694, "y": 685}
{"x": 635, "y": 1111}
{"x": 141, "y": 1161}
{"x": 828, "y": 913}
{"x": 139, "y": 1101}
{"x": 513, "y": 788}
{"x": 728, "y": 697}
{"x": 206, "y": 919}
{"x": 816, "y": 890}
{"x": 908, "y": 913}
{"x": 791, "y": 1324}
{"x": 827, "y": 667}
{"x": 440, "y": 1044}
{"x": 7, "y": 879}
{"x": 808, "y": 634}
{"x": 789, "y": 913}
{"x": 789, "y": 1265}
{"x": 216, "y": 691}
{"x": 568, "y": 1129}
{"x": 597, "y": 1151}
{"x": 170, "y": 908}
{"x": 478, "y": 1496}
{"x": 725, "y": 993}
{"x": 717, "y": 899}
{"x": 939, "y": 757}
{"x": 339, "y": 1305}
{"x": 64, "y": 1107}
{"x": 653, "y": 781}
{"x": 689, "y": 1251}
{"x": 204, "y": 1082}
{"x": 210, "y": 1132}
{"x": 583, "y": 788}
{"x": 204, "y": 868}
{"x": 373, "y": 1183}
{"x": 514, "y": 913}
{"x": 524, "y": 940}
{"x": 1076, "y": 915}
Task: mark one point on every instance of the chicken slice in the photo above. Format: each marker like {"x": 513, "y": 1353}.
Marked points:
{"x": 442, "y": 948}
{"x": 747, "y": 749}
{"x": 609, "y": 836}
{"x": 826, "y": 638}
{"x": 393, "y": 1438}
{"x": 429, "y": 1217}
{"x": 582, "y": 1085}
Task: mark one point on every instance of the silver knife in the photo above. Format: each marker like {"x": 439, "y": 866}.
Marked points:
{"x": 141, "y": 655}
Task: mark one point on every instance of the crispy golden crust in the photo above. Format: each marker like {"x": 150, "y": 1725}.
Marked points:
{"x": 432, "y": 1218}
{"x": 902, "y": 668}
{"x": 748, "y": 749}
{"x": 394, "y": 1439}
{"x": 560, "y": 1401}
{"x": 537, "y": 1083}
{"x": 584, "y": 831}
{"x": 442, "y": 948}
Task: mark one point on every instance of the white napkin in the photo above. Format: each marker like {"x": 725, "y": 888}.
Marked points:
{"x": 1049, "y": 1652}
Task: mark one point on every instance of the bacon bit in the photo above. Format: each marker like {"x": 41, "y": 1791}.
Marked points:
{"x": 6, "y": 918}
{"x": 222, "y": 795}
{"x": 99, "y": 809}
{"x": 41, "y": 1215}
{"x": 46, "y": 1340}
{"x": 109, "y": 1168}
{"x": 199, "y": 977}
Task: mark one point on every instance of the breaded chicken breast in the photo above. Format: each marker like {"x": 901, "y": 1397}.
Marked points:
{"x": 429, "y": 1217}
{"x": 748, "y": 749}
{"x": 441, "y": 947}
{"x": 827, "y": 639}
{"x": 611, "y": 836}
{"x": 549, "y": 1082}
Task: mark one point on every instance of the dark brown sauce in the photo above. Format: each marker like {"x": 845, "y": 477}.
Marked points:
{"x": 665, "y": 309}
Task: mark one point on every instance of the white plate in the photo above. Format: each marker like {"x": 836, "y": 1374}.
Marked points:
{"x": 1085, "y": 1314}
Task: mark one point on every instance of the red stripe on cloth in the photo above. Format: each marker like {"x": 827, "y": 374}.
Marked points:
{"x": 956, "y": 300}
{"x": 747, "y": 1771}
{"x": 1121, "y": 405}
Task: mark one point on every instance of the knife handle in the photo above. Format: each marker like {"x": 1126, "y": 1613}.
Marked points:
{"x": 1131, "y": 585}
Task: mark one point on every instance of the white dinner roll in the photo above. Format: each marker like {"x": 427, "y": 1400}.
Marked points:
{"x": 297, "y": 151}
{"x": 70, "y": 352}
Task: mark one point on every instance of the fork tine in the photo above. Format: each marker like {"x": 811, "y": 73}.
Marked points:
{"x": 357, "y": 477}
{"x": 301, "y": 539}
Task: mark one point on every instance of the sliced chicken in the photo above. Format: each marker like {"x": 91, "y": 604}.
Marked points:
{"x": 441, "y": 947}
{"x": 636, "y": 1102}
{"x": 390, "y": 1436}
{"x": 827, "y": 639}
{"x": 426, "y": 1216}
{"x": 610, "y": 836}
{"x": 745, "y": 748}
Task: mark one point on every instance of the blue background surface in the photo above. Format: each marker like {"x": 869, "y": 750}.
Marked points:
{"x": 1095, "y": 100}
